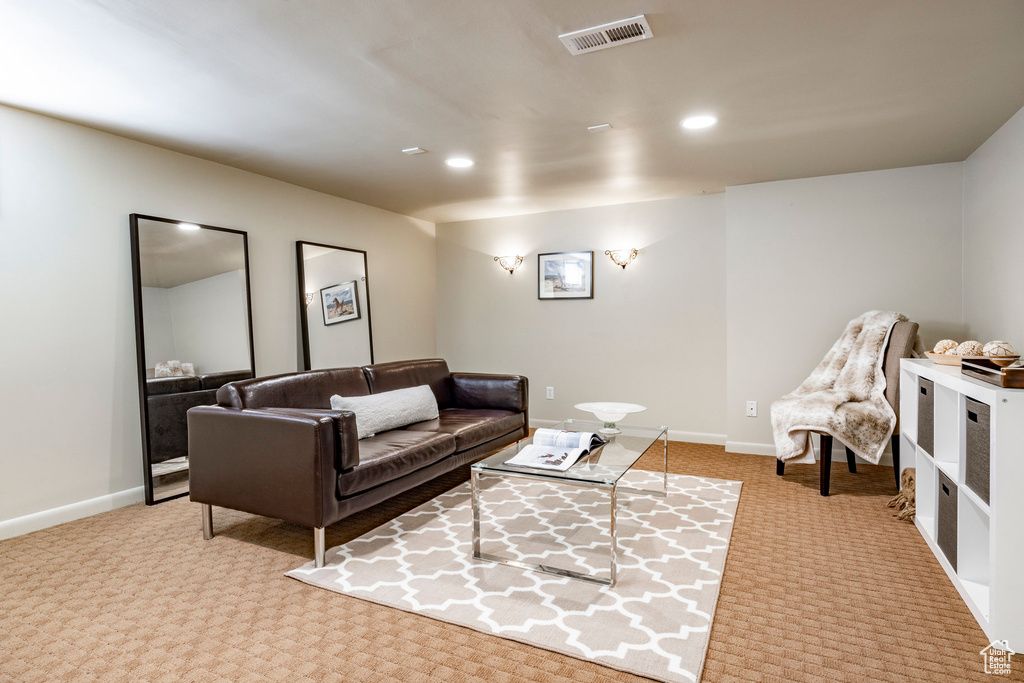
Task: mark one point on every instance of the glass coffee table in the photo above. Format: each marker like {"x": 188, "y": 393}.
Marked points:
{"x": 601, "y": 470}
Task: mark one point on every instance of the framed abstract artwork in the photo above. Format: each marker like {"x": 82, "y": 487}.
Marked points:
{"x": 565, "y": 275}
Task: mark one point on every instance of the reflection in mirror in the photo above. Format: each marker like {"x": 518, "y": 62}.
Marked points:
{"x": 334, "y": 306}
{"x": 193, "y": 333}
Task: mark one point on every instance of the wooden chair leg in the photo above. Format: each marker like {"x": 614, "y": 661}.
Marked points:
{"x": 826, "y": 462}
{"x": 780, "y": 467}
{"x": 896, "y": 458}
{"x": 851, "y": 460}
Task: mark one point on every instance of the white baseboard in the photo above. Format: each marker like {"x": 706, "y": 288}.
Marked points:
{"x": 750, "y": 448}
{"x": 745, "y": 447}
{"x": 68, "y": 513}
{"x": 673, "y": 434}
{"x": 696, "y": 437}
{"x": 838, "y": 451}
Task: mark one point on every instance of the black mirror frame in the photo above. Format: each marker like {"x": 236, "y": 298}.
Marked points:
{"x": 140, "y": 340}
{"x": 304, "y": 316}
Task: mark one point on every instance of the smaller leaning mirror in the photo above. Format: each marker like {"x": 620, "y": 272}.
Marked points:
{"x": 334, "y": 306}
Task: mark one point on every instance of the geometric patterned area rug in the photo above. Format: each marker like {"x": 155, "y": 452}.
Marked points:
{"x": 656, "y": 619}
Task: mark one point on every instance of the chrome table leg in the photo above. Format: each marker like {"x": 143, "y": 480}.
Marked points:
{"x": 665, "y": 461}
{"x": 615, "y": 545}
{"x": 474, "y": 479}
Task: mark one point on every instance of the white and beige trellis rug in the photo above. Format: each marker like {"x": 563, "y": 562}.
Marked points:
{"x": 654, "y": 621}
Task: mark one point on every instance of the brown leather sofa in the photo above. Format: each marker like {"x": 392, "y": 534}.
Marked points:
{"x": 273, "y": 447}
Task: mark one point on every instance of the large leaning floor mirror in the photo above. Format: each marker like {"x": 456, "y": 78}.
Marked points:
{"x": 334, "y": 306}
{"x": 193, "y": 333}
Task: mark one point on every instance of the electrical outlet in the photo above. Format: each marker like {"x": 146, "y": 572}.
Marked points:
{"x": 751, "y": 408}
{"x": 550, "y": 393}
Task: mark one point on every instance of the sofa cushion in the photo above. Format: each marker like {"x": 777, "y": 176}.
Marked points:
{"x": 389, "y": 410}
{"x": 471, "y": 427}
{"x": 172, "y": 385}
{"x": 295, "y": 390}
{"x": 411, "y": 373}
{"x": 390, "y": 455}
{"x": 215, "y": 380}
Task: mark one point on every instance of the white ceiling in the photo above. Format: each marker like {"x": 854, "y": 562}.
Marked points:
{"x": 325, "y": 93}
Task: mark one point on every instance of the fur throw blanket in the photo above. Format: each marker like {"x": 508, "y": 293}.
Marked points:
{"x": 844, "y": 396}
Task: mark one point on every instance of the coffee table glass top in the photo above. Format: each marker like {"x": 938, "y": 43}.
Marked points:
{"x": 604, "y": 465}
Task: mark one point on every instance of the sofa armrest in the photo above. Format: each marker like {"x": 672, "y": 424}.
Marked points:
{"x": 346, "y": 439}
{"x": 267, "y": 463}
{"x": 496, "y": 392}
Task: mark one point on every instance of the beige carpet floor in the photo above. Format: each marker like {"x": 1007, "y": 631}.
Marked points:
{"x": 815, "y": 589}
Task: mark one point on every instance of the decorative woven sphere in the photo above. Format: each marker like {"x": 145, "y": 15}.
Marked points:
{"x": 999, "y": 348}
{"x": 970, "y": 348}
{"x": 944, "y": 346}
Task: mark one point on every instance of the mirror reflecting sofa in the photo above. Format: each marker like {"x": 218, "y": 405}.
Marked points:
{"x": 273, "y": 446}
{"x": 168, "y": 400}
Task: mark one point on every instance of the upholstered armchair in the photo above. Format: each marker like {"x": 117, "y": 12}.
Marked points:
{"x": 900, "y": 345}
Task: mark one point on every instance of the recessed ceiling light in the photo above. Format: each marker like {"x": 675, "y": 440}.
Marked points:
{"x": 188, "y": 226}
{"x": 698, "y": 122}
{"x": 600, "y": 128}
{"x": 414, "y": 150}
{"x": 459, "y": 162}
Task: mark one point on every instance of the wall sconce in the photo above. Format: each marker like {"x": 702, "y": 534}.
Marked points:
{"x": 622, "y": 257}
{"x": 509, "y": 263}
{"x": 309, "y": 298}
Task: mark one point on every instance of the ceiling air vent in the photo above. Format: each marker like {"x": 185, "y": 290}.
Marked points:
{"x": 607, "y": 35}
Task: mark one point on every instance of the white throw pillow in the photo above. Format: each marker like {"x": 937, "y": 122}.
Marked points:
{"x": 388, "y": 410}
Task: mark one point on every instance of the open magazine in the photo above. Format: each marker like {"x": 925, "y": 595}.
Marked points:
{"x": 555, "y": 450}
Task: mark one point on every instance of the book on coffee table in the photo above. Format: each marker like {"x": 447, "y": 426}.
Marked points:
{"x": 555, "y": 450}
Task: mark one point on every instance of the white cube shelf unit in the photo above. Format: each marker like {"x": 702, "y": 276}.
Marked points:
{"x": 974, "y": 524}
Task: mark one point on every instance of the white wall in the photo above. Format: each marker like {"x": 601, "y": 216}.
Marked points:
{"x": 341, "y": 344}
{"x": 807, "y": 256}
{"x": 994, "y": 237}
{"x": 731, "y": 300}
{"x": 654, "y": 333}
{"x": 159, "y": 332}
{"x": 202, "y": 322}
{"x": 211, "y": 323}
{"x": 65, "y": 195}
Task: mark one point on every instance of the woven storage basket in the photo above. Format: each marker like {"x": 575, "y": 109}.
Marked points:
{"x": 926, "y": 415}
{"x": 976, "y": 476}
{"x": 947, "y": 518}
